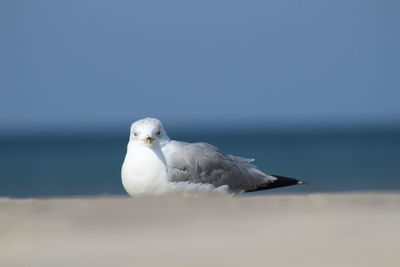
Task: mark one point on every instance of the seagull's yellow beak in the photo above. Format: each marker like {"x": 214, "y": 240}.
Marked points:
{"x": 148, "y": 140}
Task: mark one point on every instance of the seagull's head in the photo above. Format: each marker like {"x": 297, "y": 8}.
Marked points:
{"x": 148, "y": 132}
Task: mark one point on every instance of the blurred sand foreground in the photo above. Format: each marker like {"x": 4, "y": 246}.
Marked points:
{"x": 285, "y": 230}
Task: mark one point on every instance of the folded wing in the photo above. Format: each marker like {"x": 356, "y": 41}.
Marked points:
{"x": 204, "y": 163}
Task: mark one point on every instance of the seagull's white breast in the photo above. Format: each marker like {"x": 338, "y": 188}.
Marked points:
{"x": 144, "y": 170}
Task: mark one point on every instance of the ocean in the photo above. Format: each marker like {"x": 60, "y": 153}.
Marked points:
{"x": 89, "y": 164}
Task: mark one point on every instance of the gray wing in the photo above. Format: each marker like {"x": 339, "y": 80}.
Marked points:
{"x": 204, "y": 163}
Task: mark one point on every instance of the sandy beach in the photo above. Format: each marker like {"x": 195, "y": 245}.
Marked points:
{"x": 349, "y": 229}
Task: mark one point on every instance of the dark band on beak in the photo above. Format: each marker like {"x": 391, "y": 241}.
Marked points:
{"x": 149, "y": 140}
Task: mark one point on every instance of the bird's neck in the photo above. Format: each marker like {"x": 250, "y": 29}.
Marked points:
{"x": 165, "y": 141}
{"x": 139, "y": 151}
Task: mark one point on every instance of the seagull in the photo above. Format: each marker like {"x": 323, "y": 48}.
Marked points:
{"x": 155, "y": 165}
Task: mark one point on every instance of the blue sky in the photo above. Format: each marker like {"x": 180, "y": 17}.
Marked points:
{"x": 74, "y": 63}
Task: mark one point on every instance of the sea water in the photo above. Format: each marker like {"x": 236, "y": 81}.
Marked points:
{"x": 89, "y": 164}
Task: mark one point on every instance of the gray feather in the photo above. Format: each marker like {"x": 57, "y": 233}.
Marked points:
{"x": 204, "y": 163}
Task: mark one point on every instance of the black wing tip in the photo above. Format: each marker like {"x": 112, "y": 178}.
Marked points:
{"x": 298, "y": 181}
{"x": 281, "y": 181}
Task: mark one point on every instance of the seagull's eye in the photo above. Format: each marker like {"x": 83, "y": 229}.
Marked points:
{"x": 135, "y": 133}
{"x": 158, "y": 133}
